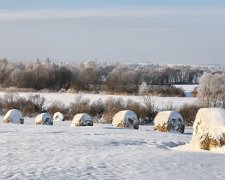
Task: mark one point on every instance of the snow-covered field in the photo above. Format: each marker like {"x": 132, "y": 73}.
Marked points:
{"x": 67, "y": 98}
{"x": 101, "y": 152}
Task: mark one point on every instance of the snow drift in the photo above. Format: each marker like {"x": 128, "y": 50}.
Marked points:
{"x": 58, "y": 116}
{"x": 13, "y": 116}
{"x": 169, "y": 121}
{"x": 209, "y": 128}
{"x": 82, "y": 119}
{"x": 44, "y": 119}
{"x": 126, "y": 119}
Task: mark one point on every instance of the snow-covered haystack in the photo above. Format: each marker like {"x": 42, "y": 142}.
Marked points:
{"x": 82, "y": 119}
{"x": 44, "y": 119}
{"x": 58, "y": 116}
{"x": 169, "y": 121}
{"x": 209, "y": 128}
{"x": 126, "y": 119}
{"x": 13, "y": 116}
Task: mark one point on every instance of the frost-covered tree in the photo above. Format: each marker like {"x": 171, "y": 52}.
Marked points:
{"x": 143, "y": 89}
{"x": 211, "y": 89}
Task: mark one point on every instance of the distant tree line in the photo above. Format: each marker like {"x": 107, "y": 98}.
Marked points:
{"x": 90, "y": 76}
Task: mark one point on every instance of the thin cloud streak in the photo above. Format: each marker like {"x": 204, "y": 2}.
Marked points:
{"x": 42, "y": 14}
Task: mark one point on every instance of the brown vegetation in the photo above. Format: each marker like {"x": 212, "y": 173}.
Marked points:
{"x": 188, "y": 112}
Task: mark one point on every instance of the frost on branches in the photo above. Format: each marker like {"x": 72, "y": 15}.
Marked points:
{"x": 211, "y": 90}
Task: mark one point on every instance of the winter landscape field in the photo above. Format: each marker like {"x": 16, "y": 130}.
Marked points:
{"x": 112, "y": 90}
{"x": 60, "y": 151}
{"x": 101, "y": 152}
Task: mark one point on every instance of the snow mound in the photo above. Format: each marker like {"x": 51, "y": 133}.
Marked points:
{"x": 44, "y": 119}
{"x": 58, "y": 116}
{"x": 209, "y": 129}
{"x": 169, "y": 121}
{"x": 13, "y": 116}
{"x": 126, "y": 119}
{"x": 82, "y": 119}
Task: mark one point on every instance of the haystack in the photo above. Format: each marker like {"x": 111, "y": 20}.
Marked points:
{"x": 169, "y": 121}
{"x": 209, "y": 128}
{"x": 126, "y": 119}
{"x": 44, "y": 119}
{"x": 13, "y": 116}
{"x": 58, "y": 116}
{"x": 82, "y": 119}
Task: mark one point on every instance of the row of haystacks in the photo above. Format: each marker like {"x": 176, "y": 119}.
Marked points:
{"x": 208, "y": 128}
{"x": 15, "y": 116}
{"x": 122, "y": 119}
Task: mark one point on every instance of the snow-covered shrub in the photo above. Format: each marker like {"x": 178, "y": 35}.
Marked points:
{"x": 13, "y": 116}
{"x": 188, "y": 112}
{"x": 97, "y": 108}
{"x": 44, "y": 119}
{"x": 34, "y": 104}
{"x": 29, "y": 106}
{"x": 112, "y": 106}
{"x": 58, "y": 106}
{"x": 79, "y": 105}
{"x": 209, "y": 128}
{"x": 166, "y": 91}
{"x": 145, "y": 112}
{"x": 58, "y": 116}
{"x": 126, "y": 119}
{"x": 82, "y": 119}
{"x": 169, "y": 121}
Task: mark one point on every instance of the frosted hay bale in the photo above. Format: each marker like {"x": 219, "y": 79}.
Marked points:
{"x": 58, "y": 116}
{"x": 82, "y": 119}
{"x": 126, "y": 119}
{"x": 209, "y": 128}
{"x": 13, "y": 116}
{"x": 169, "y": 121}
{"x": 44, "y": 119}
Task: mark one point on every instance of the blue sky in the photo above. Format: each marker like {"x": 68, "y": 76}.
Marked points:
{"x": 24, "y": 4}
{"x": 162, "y": 31}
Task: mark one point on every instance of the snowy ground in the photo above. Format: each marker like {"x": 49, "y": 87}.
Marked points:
{"x": 67, "y": 98}
{"x": 101, "y": 152}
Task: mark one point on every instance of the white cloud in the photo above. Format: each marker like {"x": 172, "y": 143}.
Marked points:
{"x": 15, "y": 15}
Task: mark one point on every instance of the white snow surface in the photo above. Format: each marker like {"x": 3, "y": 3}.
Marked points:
{"x": 101, "y": 152}
{"x": 82, "y": 119}
{"x": 166, "y": 116}
{"x": 209, "y": 122}
{"x": 123, "y": 117}
{"x": 14, "y": 115}
{"x": 67, "y": 98}
{"x": 58, "y": 116}
{"x": 44, "y": 119}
